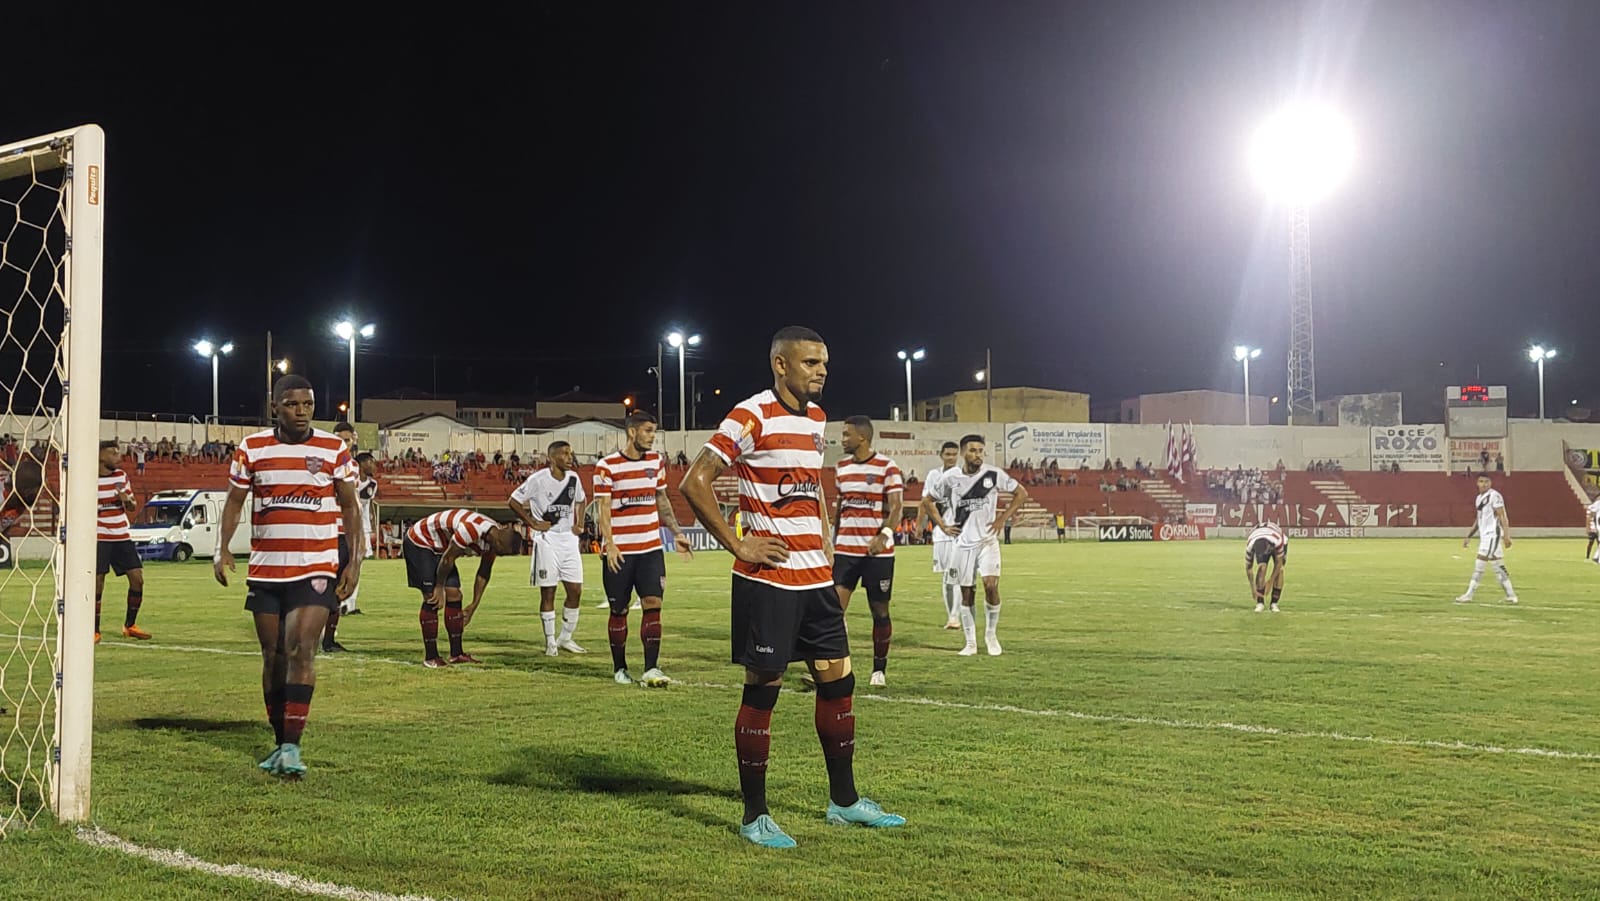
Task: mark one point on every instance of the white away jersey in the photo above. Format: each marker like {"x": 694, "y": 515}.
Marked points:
{"x": 556, "y": 501}
{"x": 1488, "y": 502}
{"x": 972, "y": 500}
{"x": 1594, "y": 516}
{"x": 931, "y": 489}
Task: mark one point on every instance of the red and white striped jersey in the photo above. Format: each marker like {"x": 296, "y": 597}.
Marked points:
{"x": 864, "y": 489}
{"x": 111, "y": 523}
{"x": 630, "y": 486}
{"x": 294, "y": 512}
{"x": 437, "y": 531}
{"x": 777, "y": 454}
{"x": 1271, "y": 533}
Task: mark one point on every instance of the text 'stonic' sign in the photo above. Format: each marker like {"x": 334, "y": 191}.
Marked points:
{"x": 1070, "y": 444}
{"x": 1417, "y": 448}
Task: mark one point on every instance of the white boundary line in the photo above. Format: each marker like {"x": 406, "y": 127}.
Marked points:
{"x": 1120, "y": 719}
{"x": 183, "y": 860}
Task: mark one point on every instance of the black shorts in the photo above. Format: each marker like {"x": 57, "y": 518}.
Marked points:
{"x": 422, "y": 567}
{"x": 1252, "y": 556}
{"x": 876, "y": 571}
{"x": 344, "y": 552}
{"x": 773, "y": 627}
{"x": 279, "y": 598}
{"x": 116, "y": 556}
{"x": 643, "y": 574}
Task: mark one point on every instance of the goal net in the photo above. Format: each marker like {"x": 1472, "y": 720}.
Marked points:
{"x": 1088, "y": 527}
{"x": 51, "y": 226}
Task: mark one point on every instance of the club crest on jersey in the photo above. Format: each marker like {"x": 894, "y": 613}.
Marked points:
{"x": 314, "y": 465}
{"x": 988, "y": 480}
{"x": 817, "y": 440}
{"x": 650, "y": 473}
{"x": 872, "y": 480}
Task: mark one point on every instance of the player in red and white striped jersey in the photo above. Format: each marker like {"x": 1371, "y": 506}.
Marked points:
{"x": 345, "y": 432}
{"x": 301, "y": 482}
{"x": 115, "y": 551}
{"x": 871, "y": 492}
{"x": 631, "y": 488}
{"x": 431, "y": 547}
{"x": 1265, "y": 544}
{"x": 784, "y": 605}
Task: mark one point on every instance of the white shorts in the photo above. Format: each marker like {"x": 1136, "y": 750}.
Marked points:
{"x": 1489, "y": 547}
{"x": 968, "y": 564}
{"x": 555, "y": 561}
{"x": 941, "y": 555}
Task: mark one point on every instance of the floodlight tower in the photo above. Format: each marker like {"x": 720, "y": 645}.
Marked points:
{"x": 1300, "y": 155}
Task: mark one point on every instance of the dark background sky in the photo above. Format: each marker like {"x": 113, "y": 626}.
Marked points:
{"x": 526, "y": 200}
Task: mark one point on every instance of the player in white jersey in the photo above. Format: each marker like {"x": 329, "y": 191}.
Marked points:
{"x": 972, "y": 494}
{"x": 550, "y": 502}
{"x": 1267, "y": 544}
{"x": 1592, "y": 521}
{"x": 1494, "y": 534}
{"x": 942, "y": 543}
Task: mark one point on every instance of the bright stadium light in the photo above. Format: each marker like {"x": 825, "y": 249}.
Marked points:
{"x": 1538, "y": 354}
{"x": 1301, "y": 154}
{"x": 348, "y": 331}
{"x": 682, "y": 342}
{"x": 207, "y": 349}
{"x": 909, "y": 355}
{"x": 1244, "y": 355}
{"x": 1299, "y": 157}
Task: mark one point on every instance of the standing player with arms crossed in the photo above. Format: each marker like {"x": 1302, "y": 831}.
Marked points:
{"x": 784, "y": 607}
{"x": 302, "y": 483}
{"x": 630, "y": 487}
{"x": 549, "y": 502}
{"x": 870, "y": 493}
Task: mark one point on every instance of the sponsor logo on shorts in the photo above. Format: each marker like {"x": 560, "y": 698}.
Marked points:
{"x": 883, "y": 585}
{"x": 543, "y": 573}
{"x": 763, "y": 649}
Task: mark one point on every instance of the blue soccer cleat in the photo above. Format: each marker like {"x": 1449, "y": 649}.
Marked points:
{"x": 271, "y": 763}
{"x": 864, "y": 812}
{"x": 289, "y": 761}
{"x": 764, "y": 832}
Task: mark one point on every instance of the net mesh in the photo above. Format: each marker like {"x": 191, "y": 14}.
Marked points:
{"x": 34, "y": 228}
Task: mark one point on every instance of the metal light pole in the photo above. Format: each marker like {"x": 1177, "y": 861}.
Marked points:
{"x": 281, "y": 366}
{"x": 682, "y": 342}
{"x": 984, "y": 375}
{"x": 694, "y": 398}
{"x": 1244, "y": 355}
{"x": 206, "y": 349}
{"x": 908, "y": 356}
{"x": 348, "y": 331}
{"x": 1538, "y": 354}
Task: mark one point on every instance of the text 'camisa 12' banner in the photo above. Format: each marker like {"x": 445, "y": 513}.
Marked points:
{"x": 1417, "y": 448}
{"x": 1070, "y": 444}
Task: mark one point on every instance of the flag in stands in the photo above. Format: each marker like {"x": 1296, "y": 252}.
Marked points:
{"x": 1174, "y": 465}
{"x": 1186, "y": 455}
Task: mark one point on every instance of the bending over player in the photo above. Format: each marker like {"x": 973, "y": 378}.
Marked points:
{"x": 432, "y": 546}
{"x": 1265, "y": 545}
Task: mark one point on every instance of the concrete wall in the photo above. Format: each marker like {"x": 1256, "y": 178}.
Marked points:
{"x": 1199, "y": 407}
{"x": 387, "y": 410}
{"x": 1009, "y": 405}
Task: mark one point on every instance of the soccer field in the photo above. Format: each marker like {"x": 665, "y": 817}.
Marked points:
{"x": 1145, "y": 734}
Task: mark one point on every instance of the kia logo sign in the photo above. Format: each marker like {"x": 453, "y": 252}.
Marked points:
{"x": 1138, "y": 532}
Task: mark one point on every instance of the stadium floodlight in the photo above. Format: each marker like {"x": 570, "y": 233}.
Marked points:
{"x": 1299, "y": 156}
{"x": 349, "y": 331}
{"x": 282, "y": 365}
{"x": 917, "y": 355}
{"x": 206, "y": 349}
{"x": 1244, "y": 355}
{"x": 682, "y": 342}
{"x": 1538, "y": 354}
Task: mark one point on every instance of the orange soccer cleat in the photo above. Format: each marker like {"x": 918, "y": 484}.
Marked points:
{"x": 135, "y": 632}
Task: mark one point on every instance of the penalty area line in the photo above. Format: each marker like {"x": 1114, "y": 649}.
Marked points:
{"x": 1111, "y": 718}
{"x": 183, "y": 860}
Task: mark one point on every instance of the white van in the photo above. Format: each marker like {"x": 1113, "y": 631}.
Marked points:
{"x": 177, "y": 525}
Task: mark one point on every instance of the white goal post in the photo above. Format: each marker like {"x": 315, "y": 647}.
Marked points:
{"x": 1085, "y": 527}
{"x": 52, "y": 227}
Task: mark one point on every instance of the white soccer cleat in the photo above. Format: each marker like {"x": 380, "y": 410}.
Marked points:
{"x": 1274, "y": 608}
{"x": 603, "y": 604}
{"x": 1260, "y": 606}
{"x": 877, "y": 680}
{"x": 654, "y": 678}
{"x": 994, "y": 644}
{"x": 621, "y": 677}
{"x": 572, "y": 647}
{"x": 1464, "y": 599}
{"x": 552, "y": 650}
{"x": 971, "y": 650}
{"x": 953, "y": 624}
{"x": 1511, "y": 599}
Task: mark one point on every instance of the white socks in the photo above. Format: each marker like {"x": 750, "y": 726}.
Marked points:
{"x": 1477, "y": 576}
{"x": 992, "y": 614}
{"x": 569, "y": 622}
{"x": 549, "y": 618}
{"x": 952, "y": 600}
{"x": 349, "y": 603}
{"x": 1504, "y": 577}
{"x": 969, "y": 627}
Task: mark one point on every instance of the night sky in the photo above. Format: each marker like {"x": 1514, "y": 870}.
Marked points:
{"x": 525, "y": 201}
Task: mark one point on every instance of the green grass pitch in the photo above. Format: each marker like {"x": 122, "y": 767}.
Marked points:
{"x": 1145, "y": 735}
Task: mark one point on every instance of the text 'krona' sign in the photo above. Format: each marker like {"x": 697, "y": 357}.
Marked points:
{"x": 1405, "y": 440}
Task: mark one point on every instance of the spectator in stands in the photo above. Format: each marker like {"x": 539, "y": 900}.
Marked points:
{"x": 1072, "y": 477}
{"x": 1138, "y": 464}
{"x": 498, "y": 459}
{"x": 1499, "y": 462}
{"x": 1107, "y": 467}
{"x": 140, "y": 450}
{"x": 1119, "y": 463}
{"x": 683, "y": 459}
{"x": 1483, "y": 460}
